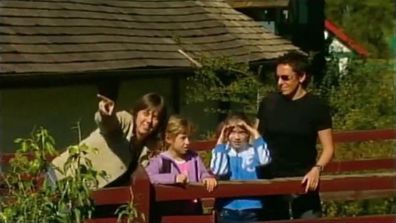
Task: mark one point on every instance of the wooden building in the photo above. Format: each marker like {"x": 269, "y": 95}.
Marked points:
{"x": 300, "y": 21}
{"x": 54, "y": 54}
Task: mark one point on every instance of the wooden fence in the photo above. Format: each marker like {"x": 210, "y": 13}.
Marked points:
{"x": 334, "y": 185}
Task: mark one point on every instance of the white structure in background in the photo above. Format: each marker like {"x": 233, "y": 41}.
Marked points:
{"x": 343, "y": 45}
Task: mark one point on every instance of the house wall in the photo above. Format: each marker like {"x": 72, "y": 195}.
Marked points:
{"x": 58, "y": 109}
{"x": 337, "y": 47}
{"x": 205, "y": 123}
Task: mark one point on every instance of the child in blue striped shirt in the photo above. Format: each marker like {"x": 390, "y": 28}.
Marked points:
{"x": 234, "y": 158}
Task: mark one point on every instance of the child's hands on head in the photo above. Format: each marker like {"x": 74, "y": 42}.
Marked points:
{"x": 225, "y": 131}
{"x": 210, "y": 183}
{"x": 181, "y": 179}
{"x": 252, "y": 131}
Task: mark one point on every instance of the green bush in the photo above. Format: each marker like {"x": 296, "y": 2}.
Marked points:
{"x": 360, "y": 97}
{"x": 222, "y": 81}
{"x": 376, "y": 206}
{"x": 34, "y": 198}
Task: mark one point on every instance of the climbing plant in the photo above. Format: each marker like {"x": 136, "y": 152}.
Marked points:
{"x": 220, "y": 80}
{"x": 33, "y": 196}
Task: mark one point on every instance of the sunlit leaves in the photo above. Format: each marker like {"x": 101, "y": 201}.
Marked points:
{"x": 33, "y": 198}
{"x": 221, "y": 80}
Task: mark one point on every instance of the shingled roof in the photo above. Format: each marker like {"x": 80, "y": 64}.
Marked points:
{"x": 77, "y": 36}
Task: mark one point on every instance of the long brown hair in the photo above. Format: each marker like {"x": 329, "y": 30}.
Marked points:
{"x": 153, "y": 101}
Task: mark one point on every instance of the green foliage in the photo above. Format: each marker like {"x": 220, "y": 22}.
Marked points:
{"x": 206, "y": 156}
{"x": 362, "y": 96}
{"x": 356, "y": 19}
{"x": 127, "y": 213}
{"x": 365, "y": 150}
{"x": 357, "y": 208}
{"x": 27, "y": 203}
{"x": 74, "y": 190}
{"x": 34, "y": 198}
{"x": 221, "y": 80}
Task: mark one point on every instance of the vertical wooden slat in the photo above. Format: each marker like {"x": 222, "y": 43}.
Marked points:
{"x": 142, "y": 193}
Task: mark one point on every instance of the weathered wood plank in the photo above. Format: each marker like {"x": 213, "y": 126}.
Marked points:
{"x": 102, "y": 220}
{"x": 241, "y": 4}
{"x": 101, "y": 22}
{"x": 189, "y": 219}
{"x": 142, "y": 193}
{"x": 112, "y": 47}
{"x": 358, "y": 182}
{"x": 357, "y": 165}
{"x": 333, "y": 167}
{"x": 364, "y": 135}
{"x": 355, "y": 219}
{"x": 356, "y": 195}
{"x": 112, "y": 195}
{"x": 88, "y": 57}
{"x": 339, "y": 137}
{"x": 92, "y": 65}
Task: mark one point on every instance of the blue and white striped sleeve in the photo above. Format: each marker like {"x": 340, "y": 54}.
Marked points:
{"x": 219, "y": 162}
{"x": 262, "y": 150}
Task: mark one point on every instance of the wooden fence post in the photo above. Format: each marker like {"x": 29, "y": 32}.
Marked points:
{"x": 141, "y": 193}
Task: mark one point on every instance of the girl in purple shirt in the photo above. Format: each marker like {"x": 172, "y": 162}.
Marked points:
{"x": 178, "y": 164}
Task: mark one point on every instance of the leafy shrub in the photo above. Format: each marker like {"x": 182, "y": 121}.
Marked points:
{"x": 223, "y": 81}
{"x": 361, "y": 97}
{"x": 40, "y": 200}
{"x": 34, "y": 197}
{"x": 361, "y": 207}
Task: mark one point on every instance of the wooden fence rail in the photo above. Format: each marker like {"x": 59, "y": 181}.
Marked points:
{"x": 356, "y": 183}
{"x": 276, "y": 186}
{"x": 349, "y": 186}
{"x": 339, "y": 137}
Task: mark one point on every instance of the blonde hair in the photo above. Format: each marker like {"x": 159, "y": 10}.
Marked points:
{"x": 178, "y": 125}
{"x": 232, "y": 117}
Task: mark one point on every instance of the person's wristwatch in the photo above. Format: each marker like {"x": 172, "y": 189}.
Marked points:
{"x": 319, "y": 166}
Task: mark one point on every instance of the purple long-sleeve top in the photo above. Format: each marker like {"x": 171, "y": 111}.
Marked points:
{"x": 162, "y": 169}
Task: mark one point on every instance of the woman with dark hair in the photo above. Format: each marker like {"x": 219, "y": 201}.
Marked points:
{"x": 292, "y": 121}
{"x": 123, "y": 139}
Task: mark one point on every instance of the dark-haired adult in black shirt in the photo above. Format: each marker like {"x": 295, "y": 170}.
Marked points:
{"x": 290, "y": 121}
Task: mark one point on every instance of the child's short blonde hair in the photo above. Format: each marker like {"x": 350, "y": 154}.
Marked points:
{"x": 232, "y": 117}
{"x": 178, "y": 125}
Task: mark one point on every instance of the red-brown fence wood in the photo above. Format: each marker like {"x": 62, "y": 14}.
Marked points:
{"x": 351, "y": 186}
{"x": 338, "y": 137}
{"x": 364, "y": 135}
{"x": 113, "y": 195}
{"x": 356, "y": 183}
{"x": 290, "y": 185}
{"x": 360, "y": 219}
{"x": 356, "y": 165}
